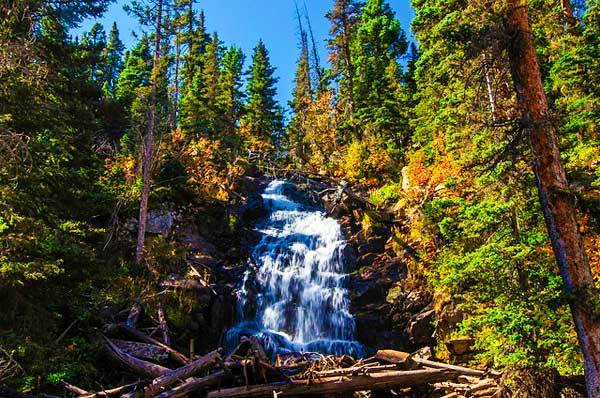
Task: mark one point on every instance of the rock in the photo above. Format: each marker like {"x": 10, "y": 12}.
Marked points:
{"x": 254, "y": 209}
{"x": 447, "y": 320}
{"x": 190, "y": 235}
{"x": 367, "y": 259}
{"x": 405, "y": 179}
{"x": 460, "y": 346}
{"x": 160, "y": 222}
{"x": 421, "y": 327}
{"x": 423, "y": 353}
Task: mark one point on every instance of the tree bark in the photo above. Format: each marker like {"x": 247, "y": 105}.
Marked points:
{"x": 148, "y": 142}
{"x": 337, "y": 385}
{"x": 557, "y": 201}
{"x": 161, "y": 383}
{"x": 139, "y": 366}
{"x": 175, "y": 355}
{"x": 193, "y": 385}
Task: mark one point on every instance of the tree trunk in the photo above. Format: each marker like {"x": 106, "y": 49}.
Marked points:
{"x": 148, "y": 143}
{"x": 557, "y": 201}
{"x": 338, "y": 385}
{"x": 490, "y": 87}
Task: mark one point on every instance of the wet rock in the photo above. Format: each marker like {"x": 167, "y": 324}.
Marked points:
{"x": 254, "y": 209}
{"x": 421, "y": 327}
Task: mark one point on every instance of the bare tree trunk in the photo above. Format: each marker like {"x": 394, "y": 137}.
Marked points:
{"x": 557, "y": 202}
{"x": 148, "y": 142}
{"x": 177, "y": 62}
{"x": 490, "y": 87}
{"x": 315, "y": 53}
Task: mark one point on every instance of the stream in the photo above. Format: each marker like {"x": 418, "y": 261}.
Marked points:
{"x": 294, "y": 294}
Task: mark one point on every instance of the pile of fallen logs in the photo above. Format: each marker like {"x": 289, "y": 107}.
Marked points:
{"x": 248, "y": 371}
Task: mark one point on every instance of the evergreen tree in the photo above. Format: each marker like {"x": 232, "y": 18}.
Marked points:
{"x": 210, "y": 112}
{"x": 112, "y": 61}
{"x": 344, "y": 18}
{"x": 192, "y": 75}
{"x": 263, "y": 118}
{"x": 94, "y": 43}
{"x": 378, "y": 43}
{"x": 231, "y": 96}
{"x": 136, "y": 71}
{"x": 301, "y": 101}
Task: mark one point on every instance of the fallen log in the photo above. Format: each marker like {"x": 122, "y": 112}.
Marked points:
{"x": 194, "y": 384}
{"x": 482, "y": 385}
{"x": 364, "y": 369}
{"x": 139, "y": 366}
{"x": 186, "y": 284}
{"x": 142, "y": 350}
{"x": 134, "y": 333}
{"x": 74, "y": 389}
{"x": 337, "y": 385}
{"x": 113, "y": 391}
{"x": 392, "y": 356}
{"x": 439, "y": 365}
{"x": 167, "y": 379}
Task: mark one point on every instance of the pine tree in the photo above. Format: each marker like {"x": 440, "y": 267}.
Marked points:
{"x": 137, "y": 68}
{"x": 112, "y": 61}
{"x": 301, "y": 100}
{"x": 210, "y": 114}
{"x": 231, "y": 96}
{"x": 378, "y": 43}
{"x": 94, "y": 43}
{"x": 191, "y": 119}
{"x": 558, "y": 203}
{"x": 263, "y": 118}
{"x": 344, "y": 18}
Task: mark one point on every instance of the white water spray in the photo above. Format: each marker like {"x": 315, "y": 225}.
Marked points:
{"x": 299, "y": 300}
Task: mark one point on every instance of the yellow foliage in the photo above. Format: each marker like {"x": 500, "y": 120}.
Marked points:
{"x": 209, "y": 167}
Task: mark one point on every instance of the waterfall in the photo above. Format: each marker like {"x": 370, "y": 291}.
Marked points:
{"x": 295, "y": 297}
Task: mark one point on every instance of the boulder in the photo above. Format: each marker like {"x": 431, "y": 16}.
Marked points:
{"x": 421, "y": 327}
{"x": 254, "y": 209}
{"x": 160, "y": 222}
{"x": 460, "y": 346}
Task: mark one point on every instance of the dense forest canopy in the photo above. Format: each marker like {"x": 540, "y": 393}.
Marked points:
{"x": 441, "y": 132}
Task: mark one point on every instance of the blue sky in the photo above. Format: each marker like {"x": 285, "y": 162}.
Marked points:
{"x": 244, "y": 22}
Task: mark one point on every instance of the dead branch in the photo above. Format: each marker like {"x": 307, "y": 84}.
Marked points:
{"x": 139, "y": 366}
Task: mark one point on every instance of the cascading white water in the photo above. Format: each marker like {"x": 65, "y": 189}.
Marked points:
{"x": 296, "y": 299}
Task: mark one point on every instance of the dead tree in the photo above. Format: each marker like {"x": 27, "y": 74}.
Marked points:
{"x": 558, "y": 202}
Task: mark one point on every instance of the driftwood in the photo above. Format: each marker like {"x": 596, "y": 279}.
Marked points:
{"x": 335, "y": 385}
{"x": 392, "y": 356}
{"x": 439, "y": 365}
{"x": 134, "y": 333}
{"x": 74, "y": 389}
{"x": 139, "y": 366}
{"x": 187, "y": 284}
{"x": 113, "y": 391}
{"x": 248, "y": 371}
{"x": 194, "y": 384}
{"x": 142, "y": 350}
{"x": 162, "y": 324}
{"x": 172, "y": 377}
